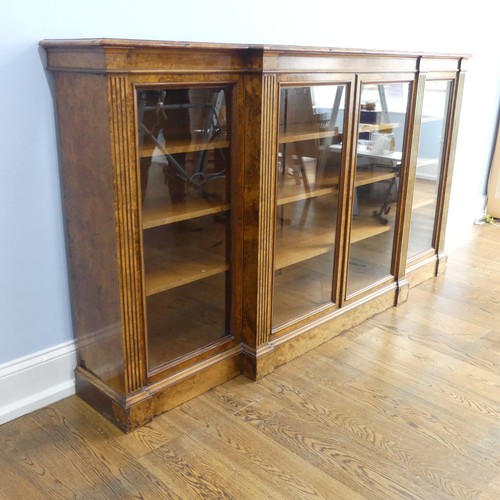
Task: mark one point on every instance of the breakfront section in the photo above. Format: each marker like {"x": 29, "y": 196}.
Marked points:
{"x": 230, "y": 207}
{"x": 350, "y": 180}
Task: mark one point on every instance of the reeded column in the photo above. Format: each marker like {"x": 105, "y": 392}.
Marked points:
{"x": 127, "y": 229}
{"x": 261, "y": 116}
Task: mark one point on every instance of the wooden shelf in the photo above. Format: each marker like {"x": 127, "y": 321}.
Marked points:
{"x": 422, "y": 202}
{"x": 296, "y": 245}
{"x": 394, "y": 157}
{"x": 376, "y": 127}
{"x": 291, "y": 191}
{"x": 162, "y": 211}
{"x": 179, "y": 271}
{"x": 427, "y": 162}
{"x": 424, "y": 194}
{"x": 294, "y": 189}
{"x": 297, "y": 134}
{"x": 181, "y": 146}
{"x": 364, "y": 177}
{"x": 175, "y": 256}
{"x": 299, "y": 244}
{"x": 366, "y": 226}
{"x": 290, "y": 194}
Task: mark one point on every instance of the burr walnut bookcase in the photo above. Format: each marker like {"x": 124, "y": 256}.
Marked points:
{"x": 231, "y": 207}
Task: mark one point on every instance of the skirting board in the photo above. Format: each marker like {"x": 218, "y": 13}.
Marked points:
{"x": 37, "y": 380}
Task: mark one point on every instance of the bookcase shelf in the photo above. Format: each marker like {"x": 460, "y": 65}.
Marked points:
{"x": 149, "y": 150}
{"x": 183, "y": 253}
{"x": 298, "y": 134}
{"x": 162, "y": 211}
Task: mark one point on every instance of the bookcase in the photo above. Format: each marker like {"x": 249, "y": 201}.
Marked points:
{"x": 230, "y": 207}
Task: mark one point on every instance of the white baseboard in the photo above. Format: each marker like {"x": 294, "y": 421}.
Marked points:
{"x": 37, "y": 380}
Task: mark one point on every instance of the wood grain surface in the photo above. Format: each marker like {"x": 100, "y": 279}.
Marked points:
{"x": 405, "y": 405}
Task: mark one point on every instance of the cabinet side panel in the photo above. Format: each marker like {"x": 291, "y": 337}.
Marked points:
{"x": 87, "y": 184}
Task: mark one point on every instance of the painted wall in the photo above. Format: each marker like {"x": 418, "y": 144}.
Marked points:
{"x": 34, "y": 304}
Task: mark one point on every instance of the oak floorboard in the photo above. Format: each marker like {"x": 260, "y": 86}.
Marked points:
{"x": 492, "y": 491}
{"x": 462, "y": 345}
{"x": 194, "y": 471}
{"x": 396, "y": 441}
{"x": 240, "y": 393}
{"x": 458, "y": 405}
{"x": 482, "y": 316}
{"x": 268, "y": 467}
{"x": 66, "y": 462}
{"x": 387, "y": 394}
{"x": 362, "y": 471}
{"x": 16, "y": 485}
{"x": 447, "y": 370}
{"x": 424, "y": 374}
{"x": 418, "y": 318}
{"x": 491, "y": 340}
{"x": 135, "y": 445}
{"x": 486, "y": 351}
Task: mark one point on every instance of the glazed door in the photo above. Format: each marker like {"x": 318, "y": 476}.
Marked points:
{"x": 186, "y": 164}
{"x": 310, "y": 145}
{"x": 380, "y": 142}
{"x": 431, "y": 149}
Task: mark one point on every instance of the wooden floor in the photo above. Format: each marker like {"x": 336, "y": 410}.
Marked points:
{"x": 404, "y": 406}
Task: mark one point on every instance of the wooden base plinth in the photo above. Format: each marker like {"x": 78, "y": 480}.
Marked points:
{"x": 423, "y": 270}
{"x": 140, "y": 408}
{"x": 403, "y": 291}
{"x": 298, "y": 342}
{"x": 442, "y": 260}
{"x": 257, "y": 363}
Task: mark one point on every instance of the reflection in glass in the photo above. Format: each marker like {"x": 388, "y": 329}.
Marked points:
{"x": 309, "y": 158}
{"x": 184, "y": 151}
{"x": 378, "y": 165}
{"x": 429, "y": 164}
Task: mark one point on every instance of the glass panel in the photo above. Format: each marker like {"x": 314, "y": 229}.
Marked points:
{"x": 184, "y": 149}
{"x": 378, "y": 164}
{"x": 309, "y": 159}
{"x": 429, "y": 164}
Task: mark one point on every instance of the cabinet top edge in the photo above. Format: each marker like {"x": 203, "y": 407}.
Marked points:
{"x": 115, "y": 43}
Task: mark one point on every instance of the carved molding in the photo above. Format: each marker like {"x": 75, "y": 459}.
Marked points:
{"x": 267, "y": 201}
{"x": 127, "y": 229}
